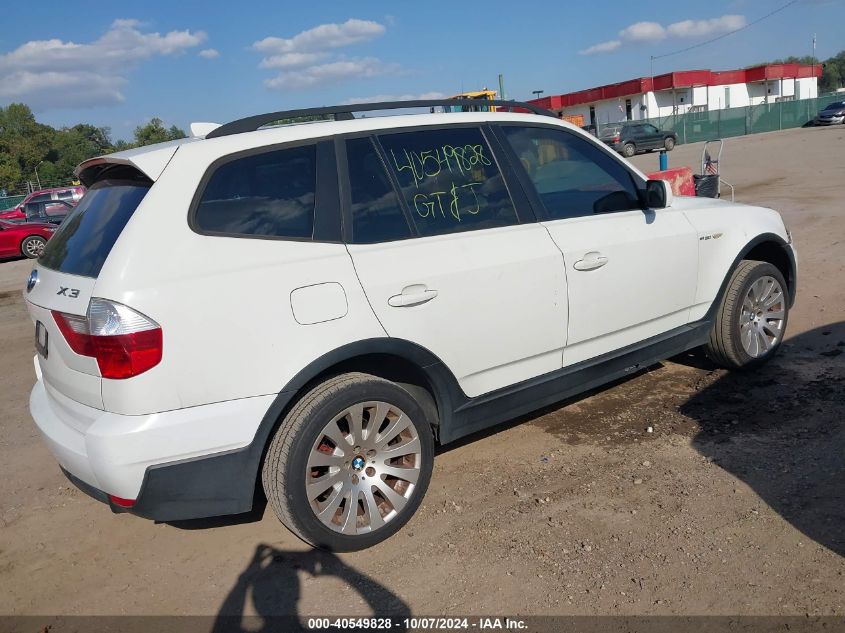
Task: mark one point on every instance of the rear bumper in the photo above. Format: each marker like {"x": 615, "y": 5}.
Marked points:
{"x": 176, "y": 464}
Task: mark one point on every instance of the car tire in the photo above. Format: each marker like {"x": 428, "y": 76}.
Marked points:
{"x": 669, "y": 144}
{"x": 33, "y": 246}
{"x": 346, "y": 431}
{"x": 628, "y": 150}
{"x": 750, "y": 322}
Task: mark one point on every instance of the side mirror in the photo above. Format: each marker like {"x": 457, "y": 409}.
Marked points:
{"x": 658, "y": 194}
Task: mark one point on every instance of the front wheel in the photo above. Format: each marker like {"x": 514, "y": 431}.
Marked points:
{"x": 350, "y": 463}
{"x": 669, "y": 144}
{"x": 33, "y": 246}
{"x": 629, "y": 150}
{"x": 751, "y": 320}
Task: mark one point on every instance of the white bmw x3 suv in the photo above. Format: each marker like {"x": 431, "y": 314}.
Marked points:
{"x": 314, "y": 306}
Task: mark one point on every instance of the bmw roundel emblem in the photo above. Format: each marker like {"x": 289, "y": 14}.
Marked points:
{"x": 33, "y": 279}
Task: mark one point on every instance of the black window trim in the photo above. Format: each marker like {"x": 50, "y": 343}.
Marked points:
{"x": 328, "y": 224}
{"x": 535, "y": 201}
{"x": 522, "y": 207}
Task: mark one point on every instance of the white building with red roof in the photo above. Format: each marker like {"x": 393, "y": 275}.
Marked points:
{"x": 687, "y": 91}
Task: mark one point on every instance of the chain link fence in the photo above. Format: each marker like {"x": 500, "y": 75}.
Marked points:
{"x": 693, "y": 127}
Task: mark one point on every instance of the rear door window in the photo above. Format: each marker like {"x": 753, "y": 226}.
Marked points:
{"x": 449, "y": 180}
{"x": 377, "y": 215}
{"x": 271, "y": 194}
{"x": 87, "y": 235}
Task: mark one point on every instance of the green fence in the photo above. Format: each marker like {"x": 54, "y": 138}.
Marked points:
{"x": 7, "y": 202}
{"x": 767, "y": 117}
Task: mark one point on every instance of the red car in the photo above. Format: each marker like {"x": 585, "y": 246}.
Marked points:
{"x": 70, "y": 195}
{"x": 24, "y": 238}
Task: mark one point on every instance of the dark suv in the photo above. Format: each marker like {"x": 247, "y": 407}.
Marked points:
{"x": 634, "y": 138}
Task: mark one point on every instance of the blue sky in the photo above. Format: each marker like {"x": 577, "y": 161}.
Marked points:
{"x": 119, "y": 64}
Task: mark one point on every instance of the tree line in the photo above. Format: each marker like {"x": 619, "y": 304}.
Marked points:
{"x": 32, "y": 152}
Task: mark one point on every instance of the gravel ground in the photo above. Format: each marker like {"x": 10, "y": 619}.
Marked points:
{"x": 733, "y": 503}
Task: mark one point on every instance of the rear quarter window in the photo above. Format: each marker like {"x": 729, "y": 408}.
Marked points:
{"x": 87, "y": 235}
{"x": 272, "y": 194}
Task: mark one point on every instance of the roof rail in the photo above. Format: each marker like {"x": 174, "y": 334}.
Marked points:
{"x": 344, "y": 112}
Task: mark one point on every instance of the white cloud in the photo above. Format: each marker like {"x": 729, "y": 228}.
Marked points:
{"x": 53, "y": 90}
{"x": 643, "y": 32}
{"x": 405, "y": 97}
{"x": 310, "y": 58}
{"x": 48, "y": 74}
{"x": 323, "y": 37}
{"x": 703, "y": 28}
{"x": 292, "y": 60}
{"x": 209, "y": 53}
{"x": 602, "y": 47}
{"x": 646, "y": 32}
{"x": 364, "y": 67}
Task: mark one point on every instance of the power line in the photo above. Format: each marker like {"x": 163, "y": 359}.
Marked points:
{"x": 724, "y": 35}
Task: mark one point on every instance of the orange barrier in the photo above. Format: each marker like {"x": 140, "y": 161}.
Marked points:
{"x": 680, "y": 178}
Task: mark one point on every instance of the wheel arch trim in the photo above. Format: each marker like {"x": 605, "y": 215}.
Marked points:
{"x": 758, "y": 240}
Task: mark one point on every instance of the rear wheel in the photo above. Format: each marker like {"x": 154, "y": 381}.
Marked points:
{"x": 669, "y": 144}
{"x": 628, "y": 150}
{"x": 350, "y": 463}
{"x": 33, "y": 246}
{"x": 751, "y": 320}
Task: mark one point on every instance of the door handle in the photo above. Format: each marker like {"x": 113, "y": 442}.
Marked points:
{"x": 591, "y": 261}
{"x": 412, "y": 296}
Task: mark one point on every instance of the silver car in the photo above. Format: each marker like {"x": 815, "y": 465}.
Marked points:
{"x": 833, "y": 114}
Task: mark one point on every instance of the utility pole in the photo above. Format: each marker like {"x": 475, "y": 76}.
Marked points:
{"x": 36, "y": 175}
{"x": 537, "y": 93}
{"x": 814, "y": 65}
{"x": 502, "y": 87}
{"x": 653, "y": 93}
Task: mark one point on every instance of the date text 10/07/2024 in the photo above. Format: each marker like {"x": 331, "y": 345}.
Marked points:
{"x": 464, "y": 162}
{"x": 419, "y": 624}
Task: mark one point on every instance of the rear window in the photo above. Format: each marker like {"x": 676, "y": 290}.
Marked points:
{"x": 86, "y": 237}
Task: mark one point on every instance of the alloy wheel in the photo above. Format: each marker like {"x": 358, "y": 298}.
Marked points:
{"x": 363, "y": 468}
{"x": 34, "y": 248}
{"x": 762, "y": 317}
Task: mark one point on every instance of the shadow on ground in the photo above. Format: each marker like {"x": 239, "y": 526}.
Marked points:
{"x": 781, "y": 430}
{"x": 270, "y": 584}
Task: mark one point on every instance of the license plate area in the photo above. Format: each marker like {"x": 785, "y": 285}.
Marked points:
{"x": 41, "y": 337}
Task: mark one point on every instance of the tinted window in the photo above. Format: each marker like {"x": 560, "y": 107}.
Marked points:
{"x": 376, "y": 213}
{"x": 65, "y": 195}
{"x": 572, "y": 176}
{"x": 449, "y": 180}
{"x": 86, "y": 237}
{"x": 270, "y": 194}
{"x": 40, "y": 198}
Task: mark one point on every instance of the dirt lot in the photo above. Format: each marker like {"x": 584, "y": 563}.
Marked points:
{"x": 734, "y": 504}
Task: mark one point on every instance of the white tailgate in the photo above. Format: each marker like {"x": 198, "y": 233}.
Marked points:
{"x": 72, "y": 375}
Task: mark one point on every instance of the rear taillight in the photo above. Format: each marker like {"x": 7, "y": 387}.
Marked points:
{"x": 124, "y": 342}
{"x": 616, "y": 139}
